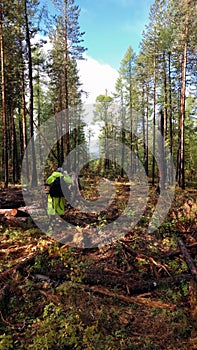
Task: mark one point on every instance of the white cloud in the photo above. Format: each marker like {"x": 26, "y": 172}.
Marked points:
{"x": 96, "y": 78}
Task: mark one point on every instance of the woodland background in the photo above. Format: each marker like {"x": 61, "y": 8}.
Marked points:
{"x": 139, "y": 291}
{"x": 35, "y": 85}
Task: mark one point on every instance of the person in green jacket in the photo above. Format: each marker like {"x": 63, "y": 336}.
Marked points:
{"x": 57, "y": 205}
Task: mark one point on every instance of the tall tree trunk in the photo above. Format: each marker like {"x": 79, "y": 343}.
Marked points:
{"x": 38, "y": 115}
{"x": 162, "y": 174}
{"x": 143, "y": 126}
{"x": 24, "y": 151}
{"x": 34, "y": 181}
{"x": 131, "y": 129}
{"x": 3, "y": 89}
{"x": 67, "y": 138}
{"x": 123, "y": 137}
{"x": 57, "y": 126}
{"x": 182, "y": 103}
{"x": 61, "y": 122}
{"x": 154, "y": 122}
{"x": 147, "y": 116}
{"x": 20, "y": 128}
{"x": 14, "y": 147}
{"x": 170, "y": 113}
{"x": 165, "y": 112}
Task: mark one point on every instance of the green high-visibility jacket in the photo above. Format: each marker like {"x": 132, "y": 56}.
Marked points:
{"x": 57, "y": 205}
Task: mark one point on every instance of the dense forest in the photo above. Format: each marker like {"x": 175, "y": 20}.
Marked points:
{"x": 37, "y": 84}
{"x": 118, "y": 270}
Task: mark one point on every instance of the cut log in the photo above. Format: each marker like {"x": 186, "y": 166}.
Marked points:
{"x": 188, "y": 258}
{"x": 15, "y": 212}
{"x": 19, "y": 213}
{"x": 5, "y": 211}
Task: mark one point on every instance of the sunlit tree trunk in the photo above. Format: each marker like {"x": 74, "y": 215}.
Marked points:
{"x": 14, "y": 149}
{"x": 170, "y": 113}
{"x": 182, "y": 104}
{"x": 165, "y": 111}
{"x": 160, "y": 141}
{"x": 67, "y": 136}
{"x": 30, "y": 73}
{"x": 154, "y": 122}
{"x": 24, "y": 151}
{"x": 3, "y": 93}
{"x": 146, "y": 136}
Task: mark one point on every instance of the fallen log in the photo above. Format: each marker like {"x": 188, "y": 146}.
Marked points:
{"x": 129, "y": 299}
{"x": 177, "y": 252}
{"x": 7, "y": 274}
{"x": 126, "y": 282}
{"x": 188, "y": 258}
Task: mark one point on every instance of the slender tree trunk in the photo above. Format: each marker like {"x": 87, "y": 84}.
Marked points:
{"x": 67, "y": 138}
{"x": 181, "y": 151}
{"x": 24, "y": 151}
{"x": 147, "y": 117}
{"x": 170, "y": 113}
{"x": 14, "y": 147}
{"x": 60, "y": 140}
{"x": 3, "y": 89}
{"x": 162, "y": 174}
{"x": 131, "y": 130}
{"x": 182, "y": 104}
{"x": 165, "y": 111}
{"x": 38, "y": 115}
{"x": 143, "y": 125}
{"x": 58, "y": 144}
{"x": 24, "y": 124}
{"x": 33, "y": 154}
{"x": 154, "y": 122}
{"x": 115, "y": 146}
{"x": 20, "y": 127}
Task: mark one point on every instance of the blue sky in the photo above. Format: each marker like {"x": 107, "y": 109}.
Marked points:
{"x": 111, "y": 26}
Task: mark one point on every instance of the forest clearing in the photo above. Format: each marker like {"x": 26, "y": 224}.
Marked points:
{"x": 137, "y": 292}
{"x": 111, "y": 263}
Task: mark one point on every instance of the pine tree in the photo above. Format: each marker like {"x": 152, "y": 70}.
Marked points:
{"x": 127, "y": 74}
{"x": 67, "y": 39}
{"x": 103, "y": 114}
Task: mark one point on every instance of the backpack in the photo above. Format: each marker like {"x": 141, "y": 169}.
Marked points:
{"x": 58, "y": 188}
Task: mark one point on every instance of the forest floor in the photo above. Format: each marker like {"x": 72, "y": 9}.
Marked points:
{"x": 137, "y": 292}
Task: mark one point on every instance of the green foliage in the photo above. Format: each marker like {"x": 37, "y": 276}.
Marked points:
{"x": 6, "y": 342}
{"x": 62, "y": 328}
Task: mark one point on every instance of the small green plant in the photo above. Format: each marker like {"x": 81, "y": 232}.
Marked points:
{"x": 6, "y": 342}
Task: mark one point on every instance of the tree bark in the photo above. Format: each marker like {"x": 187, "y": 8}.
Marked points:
{"x": 182, "y": 102}
{"x": 161, "y": 129}
{"x": 170, "y": 114}
{"x": 3, "y": 93}
{"x": 154, "y": 122}
{"x": 147, "y": 116}
{"x": 34, "y": 181}
{"x": 165, "y": 112}
{"x": 24, "y": 119}
{"x": 67, "y": 136}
